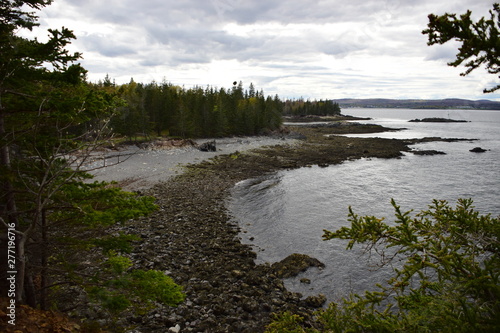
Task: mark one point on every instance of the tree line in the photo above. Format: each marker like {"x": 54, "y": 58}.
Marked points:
{"x": 301, "y": 107}
{"x": 52, "y": 122}
{"x": 51, "y": 215}
{"x": 167, "y": 109}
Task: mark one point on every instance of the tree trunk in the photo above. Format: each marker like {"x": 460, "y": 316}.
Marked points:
{"x": 11, "y": 210}
{"x": 21, "y": 268}
{"x": 44, "y": 277}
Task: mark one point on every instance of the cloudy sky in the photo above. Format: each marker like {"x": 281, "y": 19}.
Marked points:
{"x": 294, "y": 48}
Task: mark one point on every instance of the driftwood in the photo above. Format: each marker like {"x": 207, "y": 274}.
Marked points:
{"x": 168, "y": 144}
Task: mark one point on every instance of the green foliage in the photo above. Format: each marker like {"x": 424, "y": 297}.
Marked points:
{"x": 286, "y": 322}
{"x": 154, "y": 285}
{"x": 113, "y": 301}
{"x": 51, "y": 120}
{"x": 118, "y": 264}
{"x": 447, "y": 275}
{"x": 143, "y": 287}
{"x": 480, "y": 41}
{"x": 318, "y": 108}
{"x": 98, "y": 204}
{"x": 121, "y": 243}
{"x": 194, "y": 112}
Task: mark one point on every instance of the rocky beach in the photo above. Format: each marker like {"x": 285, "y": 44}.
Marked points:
{"x": 193, "y": 238}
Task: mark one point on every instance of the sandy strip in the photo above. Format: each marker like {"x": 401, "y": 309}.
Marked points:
{"x": 139, "y": 169}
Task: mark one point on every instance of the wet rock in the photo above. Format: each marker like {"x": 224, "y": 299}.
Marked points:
{"x": 208, "y": 146}
{"x": 315, "y": 301}
{"x": 477, "y": 150}
{"x": 437, "y": 120}
{"x": 428, "y": 152}
{"x": 250, "y": 305}
{"x": 305, "y": 281}
{"x": 294, "y": 264}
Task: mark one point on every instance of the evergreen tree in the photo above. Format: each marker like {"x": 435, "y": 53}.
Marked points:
{"x": 317, "y": 108}
{"x": 132, "y": 119}
{"x": 445, "y": 274}
{"x": 194, "y": 112}
{"x": 51, "y": 120}
{"x": 480, "y": 41}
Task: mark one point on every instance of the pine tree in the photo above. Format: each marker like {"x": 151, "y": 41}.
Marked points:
{"x": 51, "y": 120}
{"x": 480, "y": 43}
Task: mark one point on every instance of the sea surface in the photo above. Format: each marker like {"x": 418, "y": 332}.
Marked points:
{"x": 286, "y": 212}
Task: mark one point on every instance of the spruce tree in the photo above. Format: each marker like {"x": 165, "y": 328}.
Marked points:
{"x": 51, "y": 120}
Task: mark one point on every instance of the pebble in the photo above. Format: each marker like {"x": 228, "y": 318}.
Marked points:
{"x": 175, "y": 329}
{"x": 199, "y": 248}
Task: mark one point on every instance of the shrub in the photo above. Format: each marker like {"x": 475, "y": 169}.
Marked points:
{"x": 448, "y": 278}
{"x": 143, "y": 288}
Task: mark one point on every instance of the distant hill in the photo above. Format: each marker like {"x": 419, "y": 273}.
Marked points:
{"x": 450, "y": 103}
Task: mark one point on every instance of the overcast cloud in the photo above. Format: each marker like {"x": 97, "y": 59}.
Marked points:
{"x": 294, "y": 48}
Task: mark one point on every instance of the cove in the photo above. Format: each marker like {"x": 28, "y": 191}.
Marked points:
{"x": 286, "y": 212}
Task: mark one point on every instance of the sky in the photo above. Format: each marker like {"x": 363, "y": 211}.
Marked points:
{"x": 314, "y": 49}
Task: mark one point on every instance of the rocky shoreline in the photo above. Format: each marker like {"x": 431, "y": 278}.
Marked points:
{"x": 192, "y": 238}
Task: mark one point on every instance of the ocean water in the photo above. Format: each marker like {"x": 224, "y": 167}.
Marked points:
{"x": 286, "y": 212}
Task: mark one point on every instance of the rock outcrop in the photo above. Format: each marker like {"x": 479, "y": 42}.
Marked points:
{"x": 477, "y": 150}
{"x": 208, "y": 146}
{"x": 437, "y": 120}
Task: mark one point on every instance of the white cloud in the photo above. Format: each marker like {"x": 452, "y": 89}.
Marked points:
{"x": 317, "y": 49}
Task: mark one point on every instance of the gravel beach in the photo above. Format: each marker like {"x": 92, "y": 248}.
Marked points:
{"x": 139, "y": 169}
{"x": 193, "y": 238}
